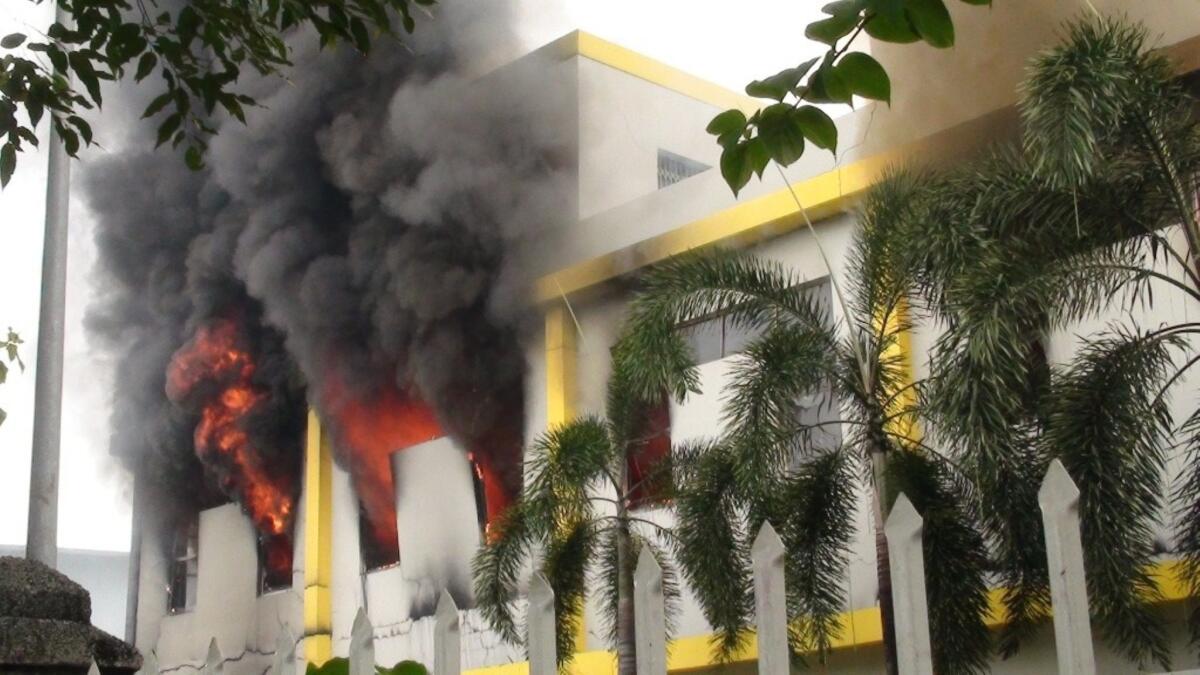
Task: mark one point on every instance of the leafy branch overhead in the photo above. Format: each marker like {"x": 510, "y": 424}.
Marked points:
{"x": 11, "y": 345}
{"x": 781, "y": 130}
{"x": 198, "y": 52}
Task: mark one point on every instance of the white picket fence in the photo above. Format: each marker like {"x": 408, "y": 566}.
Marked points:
{"x": 1059, "y": 501}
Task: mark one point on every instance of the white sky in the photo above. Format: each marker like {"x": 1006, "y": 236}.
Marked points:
{"x": 727, "y": 42}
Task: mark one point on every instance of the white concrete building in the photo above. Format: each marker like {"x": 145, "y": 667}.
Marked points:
{"x": 644, "y": 192}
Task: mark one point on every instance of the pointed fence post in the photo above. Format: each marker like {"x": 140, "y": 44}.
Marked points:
{"x": 362, "y": 645}
{"x": 284, "y": 660}
{"x": 649, "y": 612}
{"x": 905, "y": 551}
{"x": 214, "y": 662}
{"x": 770, "y": 602}
{"x": 543, "y": 651}
{"x": 1059, "y": 500}
{"x": 93, "y": 669}
{"x": 447, "y": 638}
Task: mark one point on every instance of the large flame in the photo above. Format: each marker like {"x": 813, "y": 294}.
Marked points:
{"x": 214, "y": 372}
{"x": 369, "y": 429}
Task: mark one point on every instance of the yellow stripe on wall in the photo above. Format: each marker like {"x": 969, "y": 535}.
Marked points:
{"x": 318, "y": 544}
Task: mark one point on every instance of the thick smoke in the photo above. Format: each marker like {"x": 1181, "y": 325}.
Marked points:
{"x": 366, "y": 229}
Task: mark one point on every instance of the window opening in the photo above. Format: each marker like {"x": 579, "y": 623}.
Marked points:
{"x": 184, "y": 565}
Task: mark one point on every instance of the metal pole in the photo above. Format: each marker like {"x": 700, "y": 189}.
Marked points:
{"x": 135, "y": 564}
{"x": 42, "y": 535}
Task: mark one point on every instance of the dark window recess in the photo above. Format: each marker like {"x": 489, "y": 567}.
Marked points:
{"x": 481, "y": 507}
{"x": 274, "y": 562}
{"x": 377, "y": 552}
{"x": 650, "y": 447}
{"x": 673, "y": 168}
{"x": 184, "y": 564}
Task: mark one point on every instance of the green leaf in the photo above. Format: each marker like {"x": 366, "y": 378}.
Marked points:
{"x": 157, "y": 104}
{"x": 3, "y": 372}
{"x": 757, "y": 155}
{"x": 12, "y": 40}
{"x": 830, "y": 30}
{"x": 145, "y": 66}
{"x": 358, "y": 30}
{"x": 736, "y": 168}
{"x": 818, "y": 127}
{"x": 193, "y": 158}
{"x": 82, "y": 65}
{"x": 827, "y": 86}
{"x": 890, "y": 24}
{"x": 85, "y": 129}
{"x": 8, "y": 163}
{"x": 932, "y": 22}
{"x": 865, "y": 76}
{"x": 168, "y": 127}
{"x": 780, "y": 84}
{"x": 728, "y": 127}
{"x": 782, "y": 134}
{"x": 844, "y": 7}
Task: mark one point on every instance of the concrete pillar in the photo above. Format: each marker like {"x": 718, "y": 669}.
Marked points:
{"x": 1059, "y": 501}
{"x": 543, "y": 650}
{"x": 42, "y": 534}
{"x": 904, "y": 530}
{"x": 649, "y": 611}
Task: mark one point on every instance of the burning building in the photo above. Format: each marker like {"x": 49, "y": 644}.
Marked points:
{"x": 334, "y": 342}
{"x": 330, "y": 346}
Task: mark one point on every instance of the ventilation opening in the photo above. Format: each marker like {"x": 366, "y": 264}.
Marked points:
{"x": 673, "y": 168}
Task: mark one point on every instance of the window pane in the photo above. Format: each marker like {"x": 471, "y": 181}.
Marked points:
{"x": 705, "y": 339}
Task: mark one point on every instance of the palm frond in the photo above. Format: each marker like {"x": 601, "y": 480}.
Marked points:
{"x": 565, "y": 563}
{"x": 956, "y": 560}
{"x": 814, "y": 514}
{"x": 713, "y": 550}
{"x": 1109, "y": 425}
{"x": 562, "y": 466}
{"x": 1187, "y": 530}
{"x": 1082, "y": 95}
{"x": 497, "y": 568}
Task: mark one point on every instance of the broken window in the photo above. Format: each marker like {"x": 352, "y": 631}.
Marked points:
{"x": 274, "y": 562}
{"x": 184, "y": 565}
{"x": 378, "y": 540}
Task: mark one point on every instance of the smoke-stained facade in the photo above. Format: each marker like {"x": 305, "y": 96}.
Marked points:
{"x": 360, "y": 240}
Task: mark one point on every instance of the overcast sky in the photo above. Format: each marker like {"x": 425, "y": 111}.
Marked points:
{"x": 698, "y": 36}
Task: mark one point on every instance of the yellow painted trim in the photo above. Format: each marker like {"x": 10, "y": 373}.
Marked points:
{"x": 562, "y": 356}
{"x": 318, "y": 544}
{"x": 776, "y": 213}
{"x": 588, "y": 46}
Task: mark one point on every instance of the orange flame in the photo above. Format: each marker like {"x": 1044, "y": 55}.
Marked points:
{"x": 214, "y": 358}
{"x": 370, "y": 429}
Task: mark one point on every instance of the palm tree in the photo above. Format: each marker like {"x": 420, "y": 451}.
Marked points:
{"x": 767, "y": 465}
{"x": 1091, "y": 214}
{"x": 576, "y": 520}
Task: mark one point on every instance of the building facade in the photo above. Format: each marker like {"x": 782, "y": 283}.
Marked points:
{"x": 645, "y": 190}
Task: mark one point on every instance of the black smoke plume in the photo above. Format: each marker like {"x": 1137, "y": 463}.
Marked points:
{"x": 367, "y": 228}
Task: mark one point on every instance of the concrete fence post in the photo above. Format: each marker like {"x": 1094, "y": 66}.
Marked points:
{"x": 93, "y": 669}
{"x": 1059, "y": 500}
{"x": 905, "y": 550}
{"x": 214, "y": 663}
{"x": 543, "y": 651}
{"x": 284, "y": 660}
{"x": 649, "y": 612}
{"x": 770, "y": 602}
{"x": 447, "y": 638}
{"x": 362, "y": 645}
